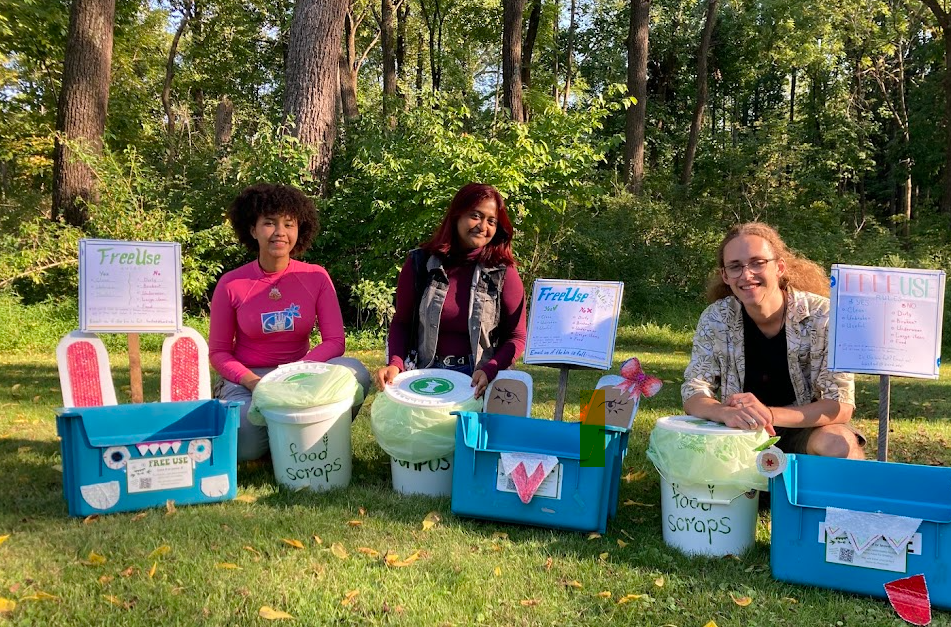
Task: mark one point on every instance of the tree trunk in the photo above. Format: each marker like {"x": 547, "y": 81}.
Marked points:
{"x": 83, "y": 102}
{"x": 554, "y": 52}
{"x": 512, "y": 58}
{"x": 402, "y": 17}
{"x": 167, "y": 86}
{"x": 569, "y": 53}
{"x": 531, "y": 35}
{"x": 388, "y": 43}
{"x": 224, "y": 121}
{"x": 347, "y": 72}
{"x": 944, "y": 21}
{"x": 637, "y": 45}
{"x": 691, "y": 152}
{"x": 311, "y": 84}
{"x": 792, "y": 96}
{"x": 419, "y": 63}
{"x": 434, "y": 18}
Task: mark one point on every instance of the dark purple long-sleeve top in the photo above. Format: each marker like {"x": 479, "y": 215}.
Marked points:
{"x": 454, "y": 321}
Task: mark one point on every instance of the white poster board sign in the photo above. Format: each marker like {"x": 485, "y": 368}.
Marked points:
{"x": 130, "y": 287}
{"x": 573, "y": 322}
{"x": 886, "y": 321}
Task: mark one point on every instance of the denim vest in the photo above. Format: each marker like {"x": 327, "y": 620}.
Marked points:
{"x": 485, "y": 307}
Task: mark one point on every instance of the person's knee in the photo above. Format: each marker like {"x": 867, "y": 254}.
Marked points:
{"x": 357, "y": 368}
{"x": 834, "y": 441}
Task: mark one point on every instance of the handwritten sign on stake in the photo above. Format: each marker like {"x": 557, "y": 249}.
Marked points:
{"x": 130, "y": 287}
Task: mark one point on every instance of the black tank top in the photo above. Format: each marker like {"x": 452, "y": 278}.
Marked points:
{"x": 767, "y": 365}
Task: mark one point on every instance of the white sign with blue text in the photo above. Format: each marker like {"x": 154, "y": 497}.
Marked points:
{"x": 130, "y": 287}
{"x": 573, "y": 322}
{"x": 886, "y": 321}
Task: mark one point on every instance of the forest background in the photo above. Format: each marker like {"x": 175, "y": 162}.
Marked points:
{"x": 625, "y": 135}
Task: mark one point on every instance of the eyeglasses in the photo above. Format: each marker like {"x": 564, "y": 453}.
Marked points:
{"x": 756, "y": 266}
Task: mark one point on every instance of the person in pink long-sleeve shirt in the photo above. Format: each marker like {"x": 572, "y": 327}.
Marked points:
{"x": 263, "y": 312}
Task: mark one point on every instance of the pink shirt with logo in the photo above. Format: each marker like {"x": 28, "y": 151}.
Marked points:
{"x": 250, "y": 329}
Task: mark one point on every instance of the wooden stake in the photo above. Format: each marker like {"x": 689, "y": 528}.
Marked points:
{"x": 562, "y": 392}
{"x": 884, "y": 400}
{"x": 135, "y": 368}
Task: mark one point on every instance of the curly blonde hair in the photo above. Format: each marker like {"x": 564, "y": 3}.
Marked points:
{"x": 802, "y": 274}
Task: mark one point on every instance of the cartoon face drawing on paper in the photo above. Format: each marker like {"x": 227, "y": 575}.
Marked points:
{"x": 616, "y": 406}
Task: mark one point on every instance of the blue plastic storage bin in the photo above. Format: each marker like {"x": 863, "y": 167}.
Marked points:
{"x": 810, "y": 484}
{"x": 128, "y": 457}
{"x": 580, "y": 498}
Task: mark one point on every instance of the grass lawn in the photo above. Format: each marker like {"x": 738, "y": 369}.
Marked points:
{"x": 220, "y": 564}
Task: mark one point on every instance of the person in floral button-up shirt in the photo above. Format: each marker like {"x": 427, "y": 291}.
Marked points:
{"x": 760, "y": 353}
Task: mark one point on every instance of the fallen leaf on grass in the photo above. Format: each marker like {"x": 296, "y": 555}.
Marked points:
{"x": 105, "y": 579}
{"x": 529, "y": 602}
{"x": 500, "y": 535}
{"x": 368, "y": 551}
{"x": 392, "y": 559}
{"x": 153, "y": 569}
{"x": 548, "y": 563}
{"x": 170, "y": 507}
{"x": 251, "y": 549}
{"x": 635, "y": 476}
{"x": 362, "y": 511}
{"x": 349, "y": 597}
{"x": 741, "y": 601}
{"x": 14, "y": 588}
{"x": 4, "y": 538}
{"x": 114, "y": 600}
{"x": 128, "y": 572}
{"x": 573, "y": 584}
{"x": 603, "y": 556}
{"x": 498, "y": 571}
{"x": 594, "y": 535}
{"x": 659, "y": 582}
{"x": 604, "y": 594}
{"x": 790, "y": 600}
{"x": 90, "y": 519}
{"x": 630, "y": 597}
{"x": 246, "y": 498}
{"x": 94, "y": 559}
{"x": 318, "y": 539}
{"x": 621, "y": 543}
{"x": 710, "y": 624}
{"x": 39, "y": 595}
{"x": 7, "y": 605}
{"x": 160, "y": 551}
{"x": 269, "y": 613}
{"x": 337, "y": 549}
{"x": 139, "y": 516}
{"x": 629, "y": 502}
{"x": 227, "y": 566}
{"x": 297, "y": 544}
{"x": 354, "y": 523}
{"x": 432, "y": 519}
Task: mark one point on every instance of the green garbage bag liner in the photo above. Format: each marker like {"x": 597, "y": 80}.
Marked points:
{"x": 416, "y": 434}
{"x": 305, "y": 390}
{"x": 705, "y": 458}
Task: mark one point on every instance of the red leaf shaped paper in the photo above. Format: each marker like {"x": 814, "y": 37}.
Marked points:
{"x": 909, "y": 597}
{"x": 526, "y": 484}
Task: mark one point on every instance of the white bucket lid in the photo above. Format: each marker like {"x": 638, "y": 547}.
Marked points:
{"x": 696, "y": 426}
{"x": 295, "y": 371}
{"x": 430, "y": 387}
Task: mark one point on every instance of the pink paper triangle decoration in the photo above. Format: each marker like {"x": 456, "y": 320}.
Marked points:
{"x": 525, "y": 484}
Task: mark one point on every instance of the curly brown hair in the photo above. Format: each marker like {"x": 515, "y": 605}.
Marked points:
{"x": 802, "y": 274}
{"x": 269, "y": 199}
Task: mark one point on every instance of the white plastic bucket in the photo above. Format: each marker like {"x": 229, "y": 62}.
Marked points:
{"x": 432, "y": 478}
{"x": 310, "y": 448}
{"x": 707, "y": 519}
{"x": 432, "y": 388}
{"x": 703, "y": 518}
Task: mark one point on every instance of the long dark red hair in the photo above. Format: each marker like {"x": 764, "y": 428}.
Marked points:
{"x": 445, "y": 240}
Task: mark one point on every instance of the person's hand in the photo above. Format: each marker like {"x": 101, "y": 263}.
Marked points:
{"x": 250, "y": 381}
{"x": 480, "y": 381}
{"x": 385, "y": 375}
{"x": 747, "y": 412}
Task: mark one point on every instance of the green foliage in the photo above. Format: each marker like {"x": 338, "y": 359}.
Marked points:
{"x": 374, "y": 303}
{"x": 393, "y": 187}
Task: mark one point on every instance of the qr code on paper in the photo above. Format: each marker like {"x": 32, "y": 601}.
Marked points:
{"x": 145, "y": 483}
{"x": 846, "y": 555}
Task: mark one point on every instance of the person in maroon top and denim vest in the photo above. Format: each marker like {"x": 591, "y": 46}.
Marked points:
{"x": 460, "y": 303}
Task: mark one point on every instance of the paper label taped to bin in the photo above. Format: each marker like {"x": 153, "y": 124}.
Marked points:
{"x": 879, "y": 555}
{"x": 160, "y": 473}
{"x": 550, "y": 488}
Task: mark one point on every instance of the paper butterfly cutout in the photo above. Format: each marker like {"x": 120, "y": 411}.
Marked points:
{"x": 636, "y": 382}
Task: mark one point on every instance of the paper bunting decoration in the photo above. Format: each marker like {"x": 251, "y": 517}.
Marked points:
{"x": 909, "y": 597}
